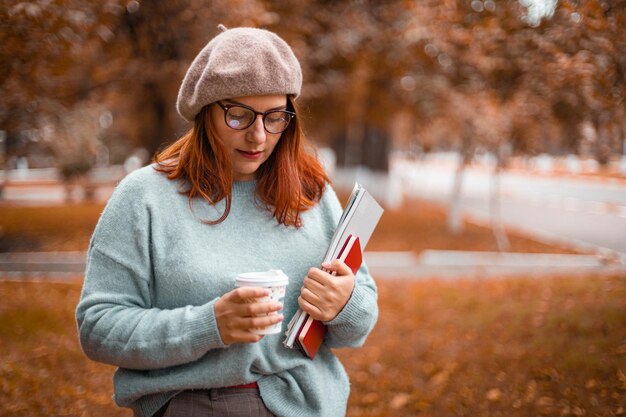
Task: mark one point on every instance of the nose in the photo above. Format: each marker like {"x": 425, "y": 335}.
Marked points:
{"x": 256, "y": 132}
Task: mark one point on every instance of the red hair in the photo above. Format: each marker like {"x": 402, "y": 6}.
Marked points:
{"x": 291, "y": 181}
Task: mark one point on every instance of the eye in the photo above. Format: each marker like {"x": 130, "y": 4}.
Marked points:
{"x": 239, "y": 117}
{"x": 238, "y": 113}
{"x": 277, "y": 117}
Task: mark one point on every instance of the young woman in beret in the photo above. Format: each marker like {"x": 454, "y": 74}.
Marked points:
{"x": 241, "y": 191}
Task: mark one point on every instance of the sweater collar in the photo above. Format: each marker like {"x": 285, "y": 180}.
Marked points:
{"x": 244, "y": 187}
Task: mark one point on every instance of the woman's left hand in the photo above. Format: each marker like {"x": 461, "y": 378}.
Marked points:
{"x": 324, "y": 295}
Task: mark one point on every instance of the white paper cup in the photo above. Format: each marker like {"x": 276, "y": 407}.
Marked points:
{"x": 276, "y": 281}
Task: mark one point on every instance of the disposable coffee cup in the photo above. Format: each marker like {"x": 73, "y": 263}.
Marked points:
{"x": 276, "y": 281}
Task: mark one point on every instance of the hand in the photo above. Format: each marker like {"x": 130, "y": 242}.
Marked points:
{"x": 324, "y": 295}
{"x": 236, "y": 316}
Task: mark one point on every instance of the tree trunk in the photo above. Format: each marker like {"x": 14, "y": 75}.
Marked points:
{"x": 356, "y": 112}
{"x": 3, "y": 184}
{"x": 4, "y": 179}
{"x": 455, "y": 222}
{"x": 495, "y": 214}
{"x": 4, "y": 166}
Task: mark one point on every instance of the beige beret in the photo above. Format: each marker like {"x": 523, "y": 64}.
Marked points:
{"x": 239, "y": 62}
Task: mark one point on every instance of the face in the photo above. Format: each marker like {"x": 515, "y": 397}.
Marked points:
{"x": 250, "y": 147}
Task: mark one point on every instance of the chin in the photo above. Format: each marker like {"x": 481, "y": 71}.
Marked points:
{"x": 244, "y": 176}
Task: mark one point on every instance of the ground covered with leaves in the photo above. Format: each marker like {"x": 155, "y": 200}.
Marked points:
{"x": 510, "y": 347}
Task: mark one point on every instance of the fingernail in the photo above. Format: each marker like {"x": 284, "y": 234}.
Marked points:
{"x": 326, "y": 264}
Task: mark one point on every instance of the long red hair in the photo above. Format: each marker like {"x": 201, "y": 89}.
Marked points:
{"x": 291, "y": 181}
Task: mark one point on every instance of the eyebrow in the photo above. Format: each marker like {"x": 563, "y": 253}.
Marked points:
{"x": 284, "y": 107}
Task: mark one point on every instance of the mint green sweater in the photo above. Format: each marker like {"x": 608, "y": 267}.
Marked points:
{"x": 154, "y": 272}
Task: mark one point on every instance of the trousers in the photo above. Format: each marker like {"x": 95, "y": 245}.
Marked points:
{"x": 216, "y": 402}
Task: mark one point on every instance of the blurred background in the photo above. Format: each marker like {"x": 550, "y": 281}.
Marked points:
{"x": 408, "y": 97}
{"x": 492, "y": 131}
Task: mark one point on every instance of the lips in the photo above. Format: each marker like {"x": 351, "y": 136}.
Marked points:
{"x": 250, "y": 154}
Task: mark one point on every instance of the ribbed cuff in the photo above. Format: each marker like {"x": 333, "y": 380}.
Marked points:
{"x": 203, "y": 328}
{"x": 352, "y": 312}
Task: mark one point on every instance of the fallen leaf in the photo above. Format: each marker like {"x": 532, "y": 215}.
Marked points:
{"x": 376, "y": 368}
{"x": 621, "y": 377}
{"x": 531, "y": 391}
{"x": 493, "y": 394}
{"x": 399, "y": 401}
{"x": 371, "y": 398}
{"x": 545, "y": 405}
{"x": 545, "y": 402}
{"x": 439, "y": 378}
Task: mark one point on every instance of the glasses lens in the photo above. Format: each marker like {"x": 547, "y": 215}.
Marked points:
{"x": 239, "y": 117}
{"x": 277, "y": 121}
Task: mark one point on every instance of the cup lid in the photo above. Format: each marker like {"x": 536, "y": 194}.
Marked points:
{"x": 271, "y": 277}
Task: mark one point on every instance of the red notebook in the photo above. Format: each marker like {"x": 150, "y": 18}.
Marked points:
{"x": 311, "y": 335}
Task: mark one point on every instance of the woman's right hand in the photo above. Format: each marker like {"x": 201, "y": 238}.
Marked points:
{"x": 236, "y": 316}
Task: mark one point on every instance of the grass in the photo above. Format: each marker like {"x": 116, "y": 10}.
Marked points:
{"x": 54, "y": 228}
{"x": 416, "y": 226}
{"x": 514, "y": 347}
{"x": 421, "y": 225}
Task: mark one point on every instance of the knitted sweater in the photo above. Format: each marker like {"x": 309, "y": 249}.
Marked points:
{"x": 154, "y": 272}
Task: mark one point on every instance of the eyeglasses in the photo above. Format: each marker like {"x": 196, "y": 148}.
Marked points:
{"x": 240, "y": 117}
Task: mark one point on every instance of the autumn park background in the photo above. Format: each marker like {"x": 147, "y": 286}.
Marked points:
{"x": 420, "y": 101}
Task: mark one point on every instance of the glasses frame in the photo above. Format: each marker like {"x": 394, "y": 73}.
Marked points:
{"x": 227, "y": 107}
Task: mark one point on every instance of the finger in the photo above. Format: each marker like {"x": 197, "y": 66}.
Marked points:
{"x": 245, "y": 336}
{"x": 319, "y": 276}
{"x": 243, "y": 294}
{"x": 255, "y": 309}
{"x": 314, "y": 286}
{"x": 309, "y": 308}
{"x": 311, "y": 297}
{"x": 252, "y": 337}
{"x": 242, "y": 330}
{"x": 264, "y": 321}
{"x": 337, "y": 266}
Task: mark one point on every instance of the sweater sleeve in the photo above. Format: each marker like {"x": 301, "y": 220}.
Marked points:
{"x": 117, "y": 323}
{"x": 356, "y": 320}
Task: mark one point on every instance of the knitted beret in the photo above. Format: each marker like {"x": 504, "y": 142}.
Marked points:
{"x": 239, "y": 62}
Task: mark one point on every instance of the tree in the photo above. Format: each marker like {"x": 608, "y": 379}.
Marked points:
{"x": 130, "y": 55}
{"x": 365, "y": 63}
{"x": 73, "y": 137}
{"x": 51, "y": 54}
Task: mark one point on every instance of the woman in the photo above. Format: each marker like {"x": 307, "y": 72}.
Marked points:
{"x": 238, "y": 193}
